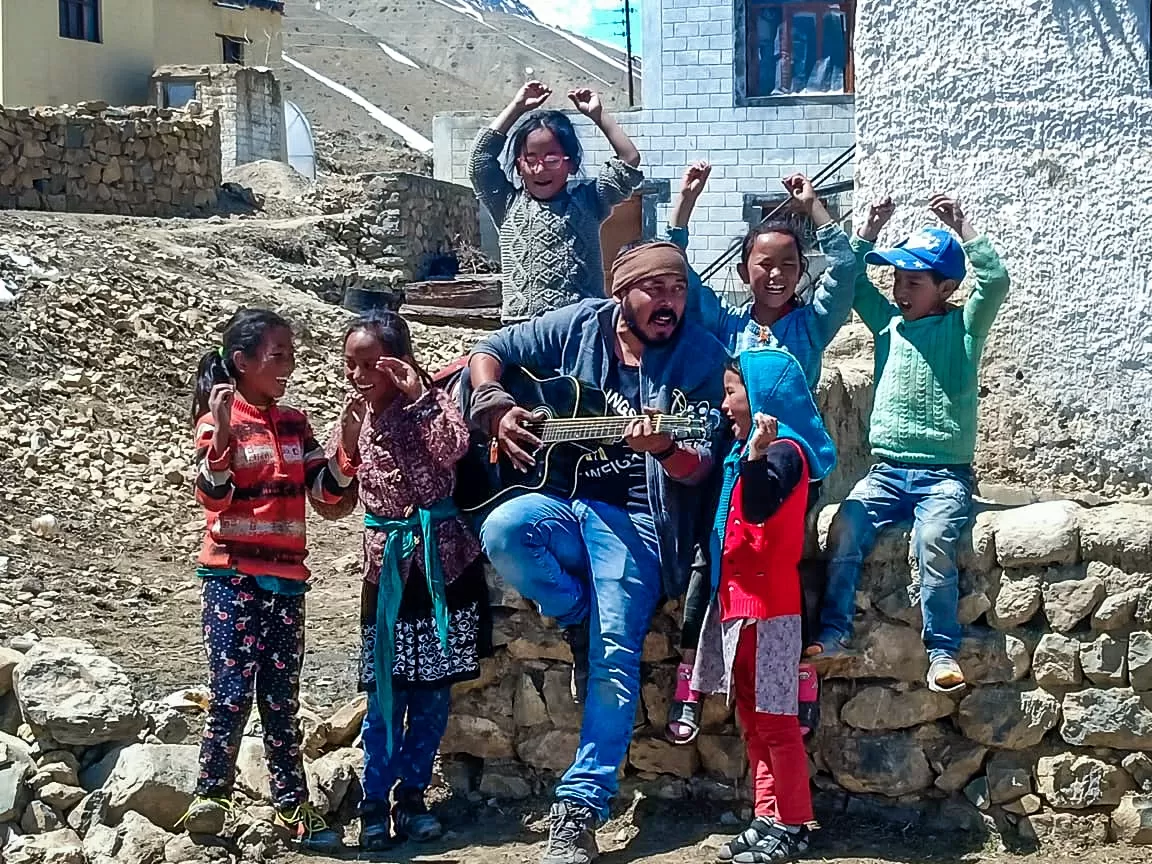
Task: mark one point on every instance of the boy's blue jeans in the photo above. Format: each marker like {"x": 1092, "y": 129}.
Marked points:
{"x": 938, "y": 500}
{"x": 586, "y": 561}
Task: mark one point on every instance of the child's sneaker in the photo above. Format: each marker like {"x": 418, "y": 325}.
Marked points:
{"x": 375, "y": 826}
{"x": 411, "y": 818}
{"x": 206, "y": 816}
{"x": 765, "y": 842}
{"x": 945, "y": 675}
{"x": 309, "y": 829}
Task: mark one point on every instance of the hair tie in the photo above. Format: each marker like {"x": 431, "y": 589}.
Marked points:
{"x": 220, "y": 351}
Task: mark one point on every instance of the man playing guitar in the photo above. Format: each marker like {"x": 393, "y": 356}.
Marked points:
{"x": 600, "y": 561}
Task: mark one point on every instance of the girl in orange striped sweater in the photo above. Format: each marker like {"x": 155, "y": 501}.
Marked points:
{"x": 258, "y": 462}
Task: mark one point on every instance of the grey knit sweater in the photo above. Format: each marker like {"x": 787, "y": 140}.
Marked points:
{"x": 549, "y": 250}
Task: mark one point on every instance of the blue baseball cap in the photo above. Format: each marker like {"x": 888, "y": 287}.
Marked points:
{"x": 927, "y": 249}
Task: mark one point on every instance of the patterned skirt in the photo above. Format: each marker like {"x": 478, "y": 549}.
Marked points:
{"x": 778, "y": 648}
{"x": 420, "y": 659}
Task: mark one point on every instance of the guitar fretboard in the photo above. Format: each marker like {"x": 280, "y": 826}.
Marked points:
{"x": 607, "y": 428}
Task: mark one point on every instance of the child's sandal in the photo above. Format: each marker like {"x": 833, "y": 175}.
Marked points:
{"x": 683, "y": 724}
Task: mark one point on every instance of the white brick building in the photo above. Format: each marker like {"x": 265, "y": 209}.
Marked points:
{"x": 757, "y": 88}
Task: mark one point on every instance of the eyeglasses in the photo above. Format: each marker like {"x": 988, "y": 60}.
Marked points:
{"x": 550, "y": 162}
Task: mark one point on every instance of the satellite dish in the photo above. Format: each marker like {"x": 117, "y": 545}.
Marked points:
{"x": 301, "y": 146}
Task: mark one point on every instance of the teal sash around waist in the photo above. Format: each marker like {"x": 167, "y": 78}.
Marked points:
{"x": 403, "y": 536}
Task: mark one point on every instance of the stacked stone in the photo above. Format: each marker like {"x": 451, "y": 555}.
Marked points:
{"x": 1049, "y": 740}
{"x": 407, "y": 221}
{"x": 95, "y": 159}
{"x": 90, "y": 775}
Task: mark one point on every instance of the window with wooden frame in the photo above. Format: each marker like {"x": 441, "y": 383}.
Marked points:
{"x": 233, "y": 49}
{"x": 799, "y": 47}
{"x": 80, "y": 19}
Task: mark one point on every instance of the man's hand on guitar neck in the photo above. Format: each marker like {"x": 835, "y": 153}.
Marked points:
{"x": 517, "y": 443}
{"x": 642, "y": 436}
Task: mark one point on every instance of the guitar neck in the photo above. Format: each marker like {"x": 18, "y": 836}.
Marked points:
{"x": 604, "y": 428}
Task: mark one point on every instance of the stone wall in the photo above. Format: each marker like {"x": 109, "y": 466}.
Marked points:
{"x": 408, "y": 221}
{"x": 1044, "y": 129}
{"x": 250, "y": 106}
{"x": 1051, "y": 740}
{"x": 94, "y": 159}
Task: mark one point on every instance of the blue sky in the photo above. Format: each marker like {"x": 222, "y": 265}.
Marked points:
{"x": 598, "y": 19}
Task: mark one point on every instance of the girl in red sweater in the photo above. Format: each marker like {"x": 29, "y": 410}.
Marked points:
{"x": 259, "y": 461}
{"x": 751, "y": 641}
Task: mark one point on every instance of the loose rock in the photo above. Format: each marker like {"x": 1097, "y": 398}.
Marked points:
{"x": 1107, "y": 718}
{"x": 1047, "y": 533}
{"x": 1140, "y": 660}
{"x": 68, "y": 691}
{"x": 1139, "y": 765}
{"x": 61, "y": 797}
{"x": 477, "y": 736}
{"x": 1132, "y": 820}
{"x": 1008, "y": 717}
{"x": 155, "y": 780}
{"x": 551, "y": 751}
{"x": 55, "y": 847}
{"x": 1067, "y": 601}
{"x": 39, "y": 818}
{"x": 1105, "y": 661}
{"x": 1017, "y": 601}
{"x": 1074, "y": 782}
{"x": 658, "y": 756}
{"x": 1066, "y": 829}
{"x": 880, "y": 709}
{"x": 1057, "y": 661}
{"x": 1009, "y": 778}
{"x": 9, "y": 660}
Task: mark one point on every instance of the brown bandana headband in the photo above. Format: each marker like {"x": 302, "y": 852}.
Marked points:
{"x": 645, "y": 262}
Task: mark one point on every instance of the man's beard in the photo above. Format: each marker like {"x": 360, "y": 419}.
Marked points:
{"x": 630, "y": 319}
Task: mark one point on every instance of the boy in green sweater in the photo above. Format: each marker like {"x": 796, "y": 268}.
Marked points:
{"x": 923, "y": 427}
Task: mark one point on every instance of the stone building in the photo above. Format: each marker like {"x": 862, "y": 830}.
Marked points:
{"x": 55, "y": 53}
{"x": 249, "y": 102}
{"x": 760, "y": 89}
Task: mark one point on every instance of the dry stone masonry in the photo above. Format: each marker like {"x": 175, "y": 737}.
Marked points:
{"x": 1053, "y": 735}
{"x": 411, "y": 225}
{"x": 96, "y": 159}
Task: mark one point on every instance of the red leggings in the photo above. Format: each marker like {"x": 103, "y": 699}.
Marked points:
{"x": 775, "y": 746}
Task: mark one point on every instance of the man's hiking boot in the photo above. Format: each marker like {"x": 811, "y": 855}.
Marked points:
{"x": 572, "y": 837}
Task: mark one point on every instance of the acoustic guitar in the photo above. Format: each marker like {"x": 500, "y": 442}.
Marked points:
{"x": 573, "y": 421}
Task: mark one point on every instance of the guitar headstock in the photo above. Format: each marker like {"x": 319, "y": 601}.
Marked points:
{"x": 695, "y": 423}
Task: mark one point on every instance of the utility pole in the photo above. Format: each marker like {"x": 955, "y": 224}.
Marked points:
{"x": 628, "y": 50}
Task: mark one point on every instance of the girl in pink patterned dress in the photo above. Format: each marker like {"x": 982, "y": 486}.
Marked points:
{"x": 424, "y": 594}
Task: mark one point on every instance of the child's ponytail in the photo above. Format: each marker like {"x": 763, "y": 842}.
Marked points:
{"x": 244, "y": 332}
{"x": 210, "y": 371}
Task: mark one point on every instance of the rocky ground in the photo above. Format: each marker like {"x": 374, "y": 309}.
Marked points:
{"x": 99, "y": 335}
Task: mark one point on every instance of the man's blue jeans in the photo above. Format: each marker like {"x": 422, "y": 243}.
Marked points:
{"x": 585, "y": 560}
{"x": 938, "y": 500}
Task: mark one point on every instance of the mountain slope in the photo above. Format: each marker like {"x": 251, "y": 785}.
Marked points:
{"x": 417, "y": 58}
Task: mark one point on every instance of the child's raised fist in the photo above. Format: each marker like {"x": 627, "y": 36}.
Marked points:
{"x": 532, "y": 95}
{"x": 587, "y": 102}
{"x": 802, "y": 191}
{"x": 695, "y": 179}
{"x": 879, "y": 213}
{"x": 947, "y": 210}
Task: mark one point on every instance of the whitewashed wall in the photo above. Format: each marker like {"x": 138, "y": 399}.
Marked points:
{"x": 1038, "y": 113}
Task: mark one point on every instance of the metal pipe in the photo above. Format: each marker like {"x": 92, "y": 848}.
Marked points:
{"x": 829, "y": 171}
